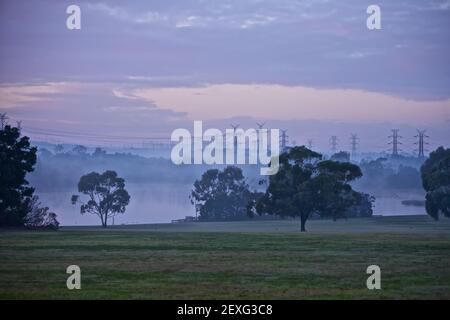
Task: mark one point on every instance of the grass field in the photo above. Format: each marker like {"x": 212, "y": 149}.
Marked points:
{"x": 236, "y": 260}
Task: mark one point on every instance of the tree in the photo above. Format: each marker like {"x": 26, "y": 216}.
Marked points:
{"x": 343, "y": 172}
{"x": 39, "y": 217}
{"x": 17, "y": 158}
{"x": 341, "y": 156}
{"x": 44, "y": 153}
{"x": 59, "y": 148}
{"x": 99, "y": 152}
{"x": 436, "y": 182}
{"x": 334, "y": 194}
{"x": 362, "y": 206}
{"x": 375, "y": 173}
{"x": 405, "y": 178}
{"x": 288, "y": 193}
{"x": 106, "y": 193}
{"x": 305, "y": 185}
{"x": 79, "y": 149}
{"x": 222, "y": 195}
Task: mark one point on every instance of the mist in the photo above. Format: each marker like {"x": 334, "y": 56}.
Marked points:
{"x": 160, "y": 190}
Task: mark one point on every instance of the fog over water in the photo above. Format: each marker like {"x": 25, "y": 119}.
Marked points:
{"x": 160, "y": 190}
{"x": 150, "y": 203}
{"x": 392, "y": 206}
{"x": 155, "y": 203}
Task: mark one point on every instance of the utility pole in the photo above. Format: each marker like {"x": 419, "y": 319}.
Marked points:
{"x": 3, "y": 120}
{"x": 260, "y": 128}
{"x": 421, "y": 143}
{"x": 261, "y": 125}
{"x": 354, "y": 142}
{"x": 235, "y": 127}
{"x": 310, "y": 144}
{"x": 395, "y": 142}
{"x": 334, "y": 144}
{"x": 284, "y": 140}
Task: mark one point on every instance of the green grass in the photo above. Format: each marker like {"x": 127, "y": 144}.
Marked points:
{"x": 248, "y": 260}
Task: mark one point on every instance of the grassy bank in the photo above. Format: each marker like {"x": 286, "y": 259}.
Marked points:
{"x": 252, "y": 260}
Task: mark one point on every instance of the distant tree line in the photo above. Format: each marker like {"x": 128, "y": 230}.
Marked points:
{"x": 381, "y": 174}
{"x": 61, "y": 169}
{"x": 305, "y": 186}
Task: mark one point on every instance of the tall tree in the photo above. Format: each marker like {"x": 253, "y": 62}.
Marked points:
{"x": 334, "y": 194}
{"x": 436, "y": 182}
{"x": 288, "y": 193}
{"x": 17, "y": 158}
{"x": 106, "y": 195}
{"x": 222, "y": 195}
{"x": 305, "y": 185}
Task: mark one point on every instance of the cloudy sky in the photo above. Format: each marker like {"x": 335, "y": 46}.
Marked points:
{"x": 139, "y": 69}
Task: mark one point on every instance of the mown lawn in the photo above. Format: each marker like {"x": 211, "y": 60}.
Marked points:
{"x": 245, "y": 260}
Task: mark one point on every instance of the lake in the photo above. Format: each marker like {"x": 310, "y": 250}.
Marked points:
{"x": 155, "y": 203}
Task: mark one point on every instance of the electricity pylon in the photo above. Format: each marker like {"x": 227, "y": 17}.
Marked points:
{"x": 421, "y": 142}
{"x": 395, "y": 142}
{"x": 354, "y": 143}
{"x": 334, "y": 144}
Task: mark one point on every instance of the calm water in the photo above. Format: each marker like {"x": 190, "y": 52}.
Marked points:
{"x": 393, "y": 207}
{"x": 152, "y": 203}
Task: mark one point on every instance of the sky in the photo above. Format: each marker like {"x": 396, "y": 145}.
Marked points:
{"x": 139, "y": 69}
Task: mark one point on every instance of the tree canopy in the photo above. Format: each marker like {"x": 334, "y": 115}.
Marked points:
{"x": 17, "y": 158}
{"x": 222, "y": 195}
{"x": 436, "y": 182}
{"x": 305, "y": 185}
{"x": 106, "y": 195}
{"x": 40, "y": 217}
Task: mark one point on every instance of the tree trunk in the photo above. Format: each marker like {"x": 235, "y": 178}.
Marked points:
{"x": 302, "y": 223}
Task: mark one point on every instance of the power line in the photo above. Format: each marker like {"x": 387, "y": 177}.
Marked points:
{"x": 69, "y": 134}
